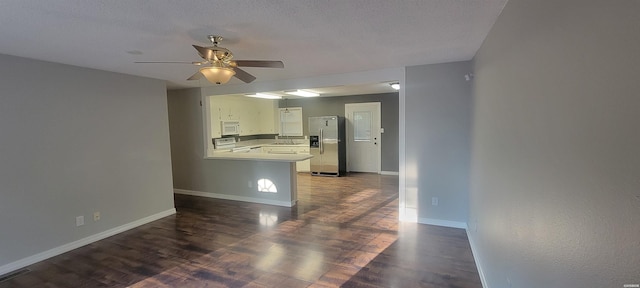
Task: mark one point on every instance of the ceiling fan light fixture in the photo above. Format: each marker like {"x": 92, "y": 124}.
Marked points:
{"x": 395, "y": 85}
{"x": 263, "y": 96}
{"x": 218, "y": 75}
{"x": 301, "y": 93}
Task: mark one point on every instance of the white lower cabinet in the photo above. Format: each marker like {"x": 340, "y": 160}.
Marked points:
{"x": 301, "y": 166}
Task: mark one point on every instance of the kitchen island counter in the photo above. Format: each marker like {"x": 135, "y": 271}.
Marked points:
{"x": 260, "y": 156}
{"x": 266, "y": 178}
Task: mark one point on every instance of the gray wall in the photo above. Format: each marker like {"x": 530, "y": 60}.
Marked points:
{"x": 556, "y": 149}
{"x": 438, "y": 120}
{"x": 193, "y": 173}
{"x": 75, "y": 141}
{"x": 335, "y": 106}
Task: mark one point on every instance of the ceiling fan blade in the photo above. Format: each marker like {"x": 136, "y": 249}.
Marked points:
{"x": 243, "y": 75}
{"x": 259, "y": 63}
{"x": 204, "y": 52}
{"x": 171, "y": 62}
{"x": 196, "y": 76}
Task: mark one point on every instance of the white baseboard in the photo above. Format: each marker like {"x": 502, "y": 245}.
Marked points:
{"x": 235, "y": 198}
{"x": 82, "y": 242}
{"x": 474, "y": 250}
{"x": 462, "y": 225}
{"x": 409, "y": 215}
{"x": 445, "y": 223}
{"x": 394, "y": 173}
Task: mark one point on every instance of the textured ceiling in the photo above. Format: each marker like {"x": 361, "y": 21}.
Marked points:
{"x": 312, "y": 37}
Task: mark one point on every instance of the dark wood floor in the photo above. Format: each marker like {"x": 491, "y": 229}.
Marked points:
{"x": 344, "y": 232}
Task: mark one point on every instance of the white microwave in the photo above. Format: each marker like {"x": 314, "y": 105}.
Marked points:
{"x": 230, "y": 127}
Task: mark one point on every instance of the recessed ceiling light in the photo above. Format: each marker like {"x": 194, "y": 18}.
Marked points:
{"x": 395, "y": 85}
{"x": 302, "y": 93}
{"x": 263, "y": 96}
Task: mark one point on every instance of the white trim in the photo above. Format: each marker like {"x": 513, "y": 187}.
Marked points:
{"x": 402, "y": 162}
{"x": 409, "y": 215}
{"x": 483, "y": 280}
{"x": 82, "y": 242}
{"x": 206, "y": 125}
{"x": 462, "y": 225}
{"x": 445, "y": 223}
{"x": 235, "y": 198}
{"x": 393, "y": 173}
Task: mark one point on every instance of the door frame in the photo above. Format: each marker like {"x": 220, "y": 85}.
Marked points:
{"x": 377, "y": 125}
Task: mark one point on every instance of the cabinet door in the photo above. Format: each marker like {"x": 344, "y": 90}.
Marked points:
{"x": 291, "y": 121}
{"x": 303, "y": 166}
{"x": 267, "y": 115}
{"x": 256, "y": 116}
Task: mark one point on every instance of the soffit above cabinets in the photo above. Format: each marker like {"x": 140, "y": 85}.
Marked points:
{"x": 344, "y": 90}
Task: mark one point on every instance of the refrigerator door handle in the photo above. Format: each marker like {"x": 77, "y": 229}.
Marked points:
{"x": 321, "y": 140}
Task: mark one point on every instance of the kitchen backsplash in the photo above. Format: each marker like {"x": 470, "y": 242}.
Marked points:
{"x": 254, "y": 137}
{"x": 269, "y": 139}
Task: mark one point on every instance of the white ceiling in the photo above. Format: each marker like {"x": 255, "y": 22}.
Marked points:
{"x": 311, "y": 37}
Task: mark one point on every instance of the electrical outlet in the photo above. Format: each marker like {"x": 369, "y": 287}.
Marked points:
{"x": 96, "y": 216}
{"x": 79, "y": 221}
{"x": 434, "y": 201}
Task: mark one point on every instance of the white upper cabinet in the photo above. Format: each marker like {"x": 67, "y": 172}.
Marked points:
{"x": 256, "y": 116}
{"x": 290, "y": 121}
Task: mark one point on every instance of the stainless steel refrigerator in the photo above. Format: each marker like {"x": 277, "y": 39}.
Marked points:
{"x": 327, "y": 145}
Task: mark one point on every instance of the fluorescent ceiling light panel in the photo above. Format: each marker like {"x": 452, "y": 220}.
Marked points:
{"x": 302, "y": 93}
{"x": 263, "y": 96}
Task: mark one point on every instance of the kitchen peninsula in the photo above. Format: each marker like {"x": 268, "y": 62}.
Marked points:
{"x": 261, "y": 157}
{"x": 250, "y": 171}
{"x": 255, "y": 169}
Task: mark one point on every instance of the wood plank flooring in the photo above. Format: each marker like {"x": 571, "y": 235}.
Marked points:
{"x": 344, "y": 232}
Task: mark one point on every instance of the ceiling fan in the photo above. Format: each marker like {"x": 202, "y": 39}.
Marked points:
{"x": 219, "y": 66}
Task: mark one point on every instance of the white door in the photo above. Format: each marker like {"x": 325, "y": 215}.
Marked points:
{"x": 363, "y": 136}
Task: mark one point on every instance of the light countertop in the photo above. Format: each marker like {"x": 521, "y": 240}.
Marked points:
{"x": 260, "y": 156}
{"x": 244, "y": 154}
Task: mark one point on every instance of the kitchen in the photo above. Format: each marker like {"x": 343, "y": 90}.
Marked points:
{"x": 259, "y": 128}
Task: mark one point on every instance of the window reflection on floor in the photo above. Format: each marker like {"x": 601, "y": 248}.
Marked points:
{"x": 271, "y": 257}
{"x": 268, "y": 218}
